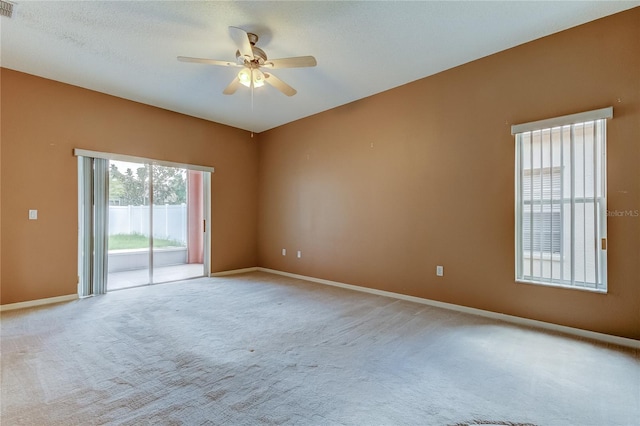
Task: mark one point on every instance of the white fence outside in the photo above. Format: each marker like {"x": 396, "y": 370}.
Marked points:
{"x": 169, "y": 221}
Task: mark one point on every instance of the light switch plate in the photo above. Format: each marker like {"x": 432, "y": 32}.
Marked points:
{"x": 33, "y": 214}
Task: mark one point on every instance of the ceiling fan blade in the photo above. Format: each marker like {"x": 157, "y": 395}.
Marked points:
{"x": 297, "y": 62}
{"x": 232, "y": 87}
{"x": 208, "y": 61}
{"x": 241, "y": 39}
{"x": 279, "y": 84}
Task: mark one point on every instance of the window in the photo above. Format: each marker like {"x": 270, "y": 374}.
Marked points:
{"x": 544, "y": 223}
{"x": 561, "y": 202}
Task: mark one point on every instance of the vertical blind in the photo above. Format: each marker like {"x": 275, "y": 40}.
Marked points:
{"x": 93, "y": 214}
{"x": 561, "y": 200}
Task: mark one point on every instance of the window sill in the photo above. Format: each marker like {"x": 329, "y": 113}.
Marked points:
{"x": 557, "y": 285}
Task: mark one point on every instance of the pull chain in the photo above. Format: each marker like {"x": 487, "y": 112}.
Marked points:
{"x": 251, "y": 91}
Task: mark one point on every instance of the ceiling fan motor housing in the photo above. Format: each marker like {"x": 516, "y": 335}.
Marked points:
{"x": 259, "y": 56}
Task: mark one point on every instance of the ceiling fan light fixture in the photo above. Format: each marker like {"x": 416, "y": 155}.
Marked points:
{"x": 246, "y": 76}
{"x": 258, "y": 78}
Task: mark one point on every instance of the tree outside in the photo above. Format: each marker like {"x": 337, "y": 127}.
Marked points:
{"x": 129, "y": 184}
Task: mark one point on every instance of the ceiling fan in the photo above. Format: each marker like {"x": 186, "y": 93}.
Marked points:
{"x": 252, "y": 60}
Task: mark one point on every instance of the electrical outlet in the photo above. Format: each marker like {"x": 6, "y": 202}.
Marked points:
{"x": 284, "y": 252}
{"x": 440, "y": 270}
{"x": 299, "y": 254}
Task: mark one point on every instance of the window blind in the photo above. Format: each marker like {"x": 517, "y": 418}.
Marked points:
{"x": 93, "y": 175}
{"x": 561, "y": 200}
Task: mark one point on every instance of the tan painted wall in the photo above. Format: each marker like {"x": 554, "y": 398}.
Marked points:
{"x": 374, "y": 193}
{"x": 378, "y": 192}
{"x": 42, "y": 121}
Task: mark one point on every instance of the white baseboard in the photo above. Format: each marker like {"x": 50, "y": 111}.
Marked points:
{"x": 607, "y": 338}
{"x": 38, "y": 302}
{"x": 233, "y": 272}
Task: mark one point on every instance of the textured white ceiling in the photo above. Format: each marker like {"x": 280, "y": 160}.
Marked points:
{"x": 129, "y": 48}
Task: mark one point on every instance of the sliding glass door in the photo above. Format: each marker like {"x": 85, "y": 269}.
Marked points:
{"x": 151, "y": 238}
{"x": 174, "y": 246}
{"x": 141, "y": 221}
{"x": 129, "y": 243}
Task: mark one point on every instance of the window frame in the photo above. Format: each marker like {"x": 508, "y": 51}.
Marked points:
{"x": 599, "y": 200}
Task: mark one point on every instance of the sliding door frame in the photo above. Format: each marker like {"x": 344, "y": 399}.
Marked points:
{"x": 84, "y": 239}
{"x": 206, "y": 205}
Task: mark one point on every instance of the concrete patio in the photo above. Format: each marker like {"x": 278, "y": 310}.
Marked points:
{"x": 139, "y": 277}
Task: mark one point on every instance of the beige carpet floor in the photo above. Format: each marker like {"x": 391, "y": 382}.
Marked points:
{"x": 263, "y": 349}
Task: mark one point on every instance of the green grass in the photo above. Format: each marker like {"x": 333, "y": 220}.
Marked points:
{"x": 138, "y": 241}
